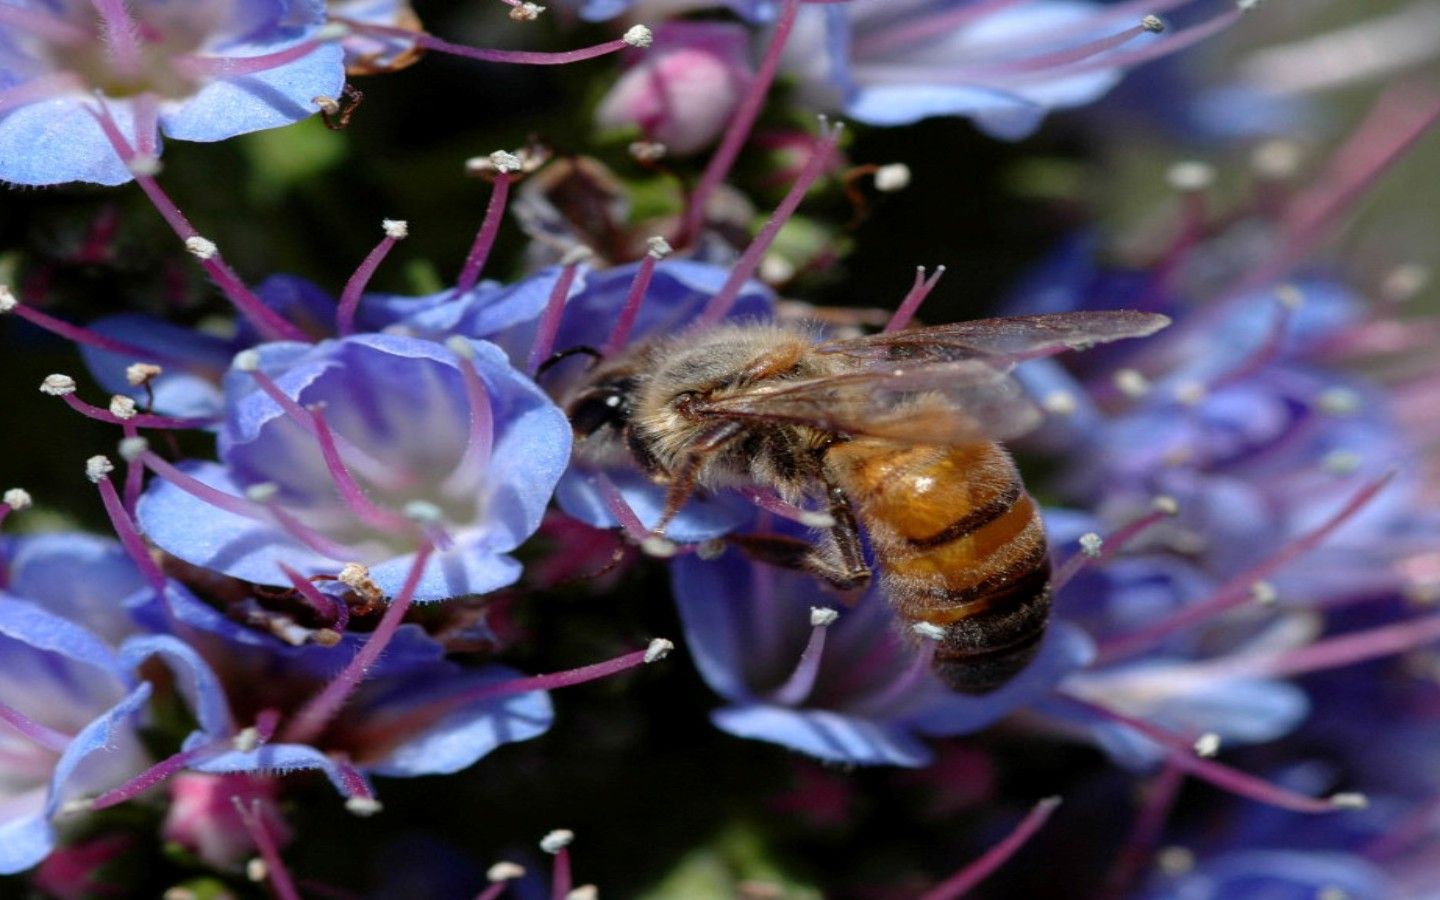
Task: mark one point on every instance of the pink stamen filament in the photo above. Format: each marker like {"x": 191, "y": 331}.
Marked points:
{"x": 620, "y": 334}
{"x": 549, "y": 325}
{"x": 485, "y": 236}
{"x": 907, "y": 33}
{"x": 967, "y": 878}
{"x": 356, "y": 787}
{"x": 480, "y": 440}
{"x": 622, "y": 511}
{"x": 77, "y": 334}
{"x": 145, "y": 108}
{"x": 1060, "y": 58}
{"x": 156, "y": 774}
{"x": 561, "y": 879}
{"x": 1263, "y": 355}
{"x": 554, "y": 680}
{"x": 349, "y": 489}
{"x": 1145, "y": 833}
{"x": 270, "y": 323}
{"x": 741, "y": 123}
{"x": 524, "y": 57}
{"x": 494, "y": 891}
{"x": 771, "y": 502}
{"x": 41, "y": 24}
{"x": 134, "y": 473}
{"x": 307, "y": 724}
{"x": 253, "y": 817}
{"x": 1179, "y": 750}
{"x": 130, "y": 538}
{"x": 921, "y": 289}
{"x": 355, "y": 287}
{"x": 1332, "y": 653}
{"x": 326, "y": 607}
{"x": 237, "y": 66}
{"x": 1236, "y": 591}
{"x": 43, "y": 735}
{"x": 802, "y": 681}
{"x": 820, "y": 158}
{"x": 903, "y": 687}
{"x": 121, "y": 36}
{"x": 1111, "y": 545}
{"x": 139, "y": 420}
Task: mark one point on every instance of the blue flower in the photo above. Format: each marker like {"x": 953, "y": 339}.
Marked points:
{"x": 465, "y": 446}
{"x": 70, "y": 708}
{"x": 871, "y": 697}
{"x": 1005, "y": 69}
{"x": 204, "y": 70}
{"x": 1298, "y": 874}
{"x": 80, "y": 577}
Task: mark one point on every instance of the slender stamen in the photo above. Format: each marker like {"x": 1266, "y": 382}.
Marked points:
{"x": 620, "y": 334}
{"x": 480, "y": 439}
{"x": 558, "y": 843}
{"x": 395, "y": 231}
{"x": 43, "y": 735}
{"x": 903, "y": 686}
{"x": 98, "y": 469}
{"x": 959, "y": 884}
{"x": 921, "y": 289}
{"x": 359, "y": 798}
{"x": 820, "y": 158}
{"x": 326, "y": 607}
{"x": 1070, "y": 55}
{"x": 137, "y": 452}
{"x": 802, "y": 681}
{"x": 500, "y": 875}
{"x": 1107, "y": 548}
{"x": 622, "y": 511}
{"x": 349, "y": 489}
{"x": 1145, "y": 833}
{"x": 208, "y": 67}
{"x": 549, "y": 326}
{"x": 769, "y": 501}
{"x": 1332, "y": 653}
{"x": 316, "y": 714}
{"x": 524, "y": 57}
{"x": 42, "y": 24}
{"x": 121, "y": 36}
{"x": 485, "y": 237}
{"x": 1237, "y": 590}
{"x": 135, "y": 420}
{"x": 134, "y": 471}
{"x": 304, "y": 534}
{"x": 156, "y": 774}
{"x": 915, "y": 31}
{"x": 656, "y": 651}
{"x": 9, "y": 303}
{"x": 252, "y": 815}
{"x": 742, "y": 120}
{"x": 13, "y": 500}
{"x": 270, "y": 323}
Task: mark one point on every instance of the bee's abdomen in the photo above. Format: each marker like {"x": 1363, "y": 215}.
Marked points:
{"x": 962, "y": 547}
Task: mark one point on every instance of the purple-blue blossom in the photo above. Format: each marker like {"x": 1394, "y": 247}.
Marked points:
{"x": 204, "y": 70}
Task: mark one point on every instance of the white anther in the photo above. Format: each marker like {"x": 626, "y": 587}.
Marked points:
{"x": 1401, "y": 284}
{"x": 1338, "y": 401}
{"x": 577, "y": 254}
{"x": 1091, "y": 544}
{"x": 1175, "y": 860}
{"x": 1349, "y": 800}
{"x": 17, "y": 499}
{"x": 648, "y": 151}
{"x": 57, "y": 385}
{"x": 822, "y": 616}
{"x": 816, "y": 519}
{"x": 1191, "y": 393}
{"x": 246, "y": 739}
{"x": 1191, "y": 175}
{"x": 1263, "y": 593}
{"x": 1289, "y": 296}
{"x": 584, "y": 892}
{"x": 1207, "y": 745}
{"x": 505, "y": 871}
{"x": 1153, "y": 24}
{"x": 1164, "y": 503}
{"x": 1246, "y": 6}
{"x": 98, "y": 467}
{"x": 776, "y": 269}
{"x": 327, "y": 105}
{"x": 1061, "y": 403}
{"x": 364, "y": 807}
{"x": 1341, "y": 462}
{"x": 332, "y": 31}
{"x": 658, "y": 649}
{"x": 1276, "y": 159}
{"x": 928, "y": 631}
{"x": 201, "y": 248}
{"x": 460, "y": 346}
{"x": 659, "y": 247}
{"x": 398, "y": 229}
{"x": 658, "y": 547}
{"x": 505, "y": 161}
{"x": 638, "y": 36}
{"x": 246, "y": 361}
{"x": 140, "y": 373}
{"x": 76, "y": 806}
{"x": 255, "y": 870}
{"x": 423, "y": 512}
{"x": 131, "y": 447}
{"x": 526, "y": 12}
{"x": 262, "y": 492}
{"x": 557, "y": 840}
{"x": 892, "y": 177}
{"x": 1131, "y": 383}
{"x": 122, "y": 407}
{"x": 8, "y": 300}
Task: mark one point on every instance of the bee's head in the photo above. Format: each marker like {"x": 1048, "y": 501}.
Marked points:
{"x": 607, "y": 403}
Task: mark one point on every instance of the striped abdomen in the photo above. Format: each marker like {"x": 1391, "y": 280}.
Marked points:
{"x": 960, "y": 545}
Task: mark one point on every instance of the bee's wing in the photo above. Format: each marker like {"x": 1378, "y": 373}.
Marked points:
{"x": 1004, "y": 341}
{"x": 933, "y": 403}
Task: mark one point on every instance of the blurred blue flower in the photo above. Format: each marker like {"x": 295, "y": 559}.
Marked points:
{"x": 428, "y": 445}
{"x": 205, "y": 70}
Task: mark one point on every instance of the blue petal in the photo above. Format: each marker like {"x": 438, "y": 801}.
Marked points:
{"x": 56, "y": 141}
{"x": 78, "y": 577}
{"x": 703, "y": 518}
{"x": 269, "y": 99}
{"x": 824, "y": 735}
{"x": 201, "y": 689}
{"x": 193, "y": 363}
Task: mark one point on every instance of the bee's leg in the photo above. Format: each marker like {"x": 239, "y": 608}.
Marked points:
{"x": 840, "y": 558}
{"x": 682, "y": 486}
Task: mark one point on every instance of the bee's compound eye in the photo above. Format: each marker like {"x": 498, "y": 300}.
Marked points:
{"x": 607, "y": 405}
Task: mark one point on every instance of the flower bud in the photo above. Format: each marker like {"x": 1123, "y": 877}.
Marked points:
{"x": 203, "y": 819}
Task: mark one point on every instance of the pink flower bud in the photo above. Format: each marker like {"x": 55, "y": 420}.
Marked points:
{"x": 683, "y": 90}
{"x": 203, "y": 818}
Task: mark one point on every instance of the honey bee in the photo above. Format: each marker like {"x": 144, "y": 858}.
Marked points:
{"x": 894, "y": 432}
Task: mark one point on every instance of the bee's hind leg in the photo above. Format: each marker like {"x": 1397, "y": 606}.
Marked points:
{"x": 838, "y": 557}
